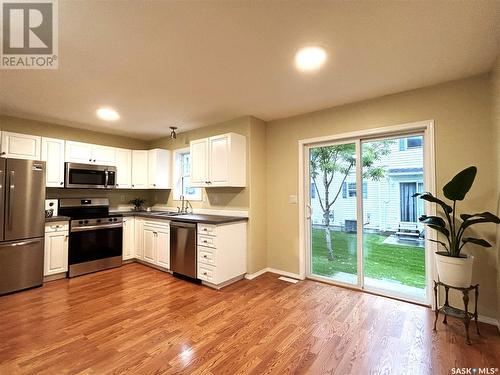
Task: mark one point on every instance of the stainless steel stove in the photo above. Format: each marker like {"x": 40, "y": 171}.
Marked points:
{"x": 95, "y": 238}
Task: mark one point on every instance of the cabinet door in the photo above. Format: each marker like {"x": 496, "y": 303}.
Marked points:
{"x": 77, "y": 152}
{"x": 163, "y": 247}
{"x": 103, "y": 155}
{"x": 56, "y": 253}
{"x": 21, "y": 146}
{"x": 139, "y": 169}
{"x": 139, "y": 226}
{"x": 159, "y": 166}
{"x": 199, "y": 162}
{"x": 53, "y": 155}
{"x": 219, "y": 161}
{"x": 128, "y": 238}
{"x": 149, "y": 244}
{"x": 123, "y": 168}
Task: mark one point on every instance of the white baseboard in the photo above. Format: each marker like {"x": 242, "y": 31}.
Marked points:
{"x": 251, "y": 276}
{"x": 273, "y": 270}
{"x": 489, "y": 320}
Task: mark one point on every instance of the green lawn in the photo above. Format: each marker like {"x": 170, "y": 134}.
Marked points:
{"x": 401, "y": 263}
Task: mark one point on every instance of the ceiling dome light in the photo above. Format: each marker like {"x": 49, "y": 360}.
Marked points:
{"x": 107, "y": 114}
{"x": 309, "y": 59}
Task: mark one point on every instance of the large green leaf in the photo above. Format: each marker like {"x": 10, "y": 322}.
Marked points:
{"x": 431, "y": 198}
{"x": 483, "y": 217}
{"x": 434, "y": 220}
{"x": 477, "y": 241}
{"x": 445, "y": 231}
{"x": 459, "y": 185}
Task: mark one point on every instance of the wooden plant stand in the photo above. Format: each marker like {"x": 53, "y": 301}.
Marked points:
{"x": 465, "y": 315}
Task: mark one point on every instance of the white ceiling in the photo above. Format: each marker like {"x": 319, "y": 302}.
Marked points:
{"x": 191, "y": 64}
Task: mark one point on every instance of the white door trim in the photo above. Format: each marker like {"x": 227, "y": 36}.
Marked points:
{"x": 427, "y": 127}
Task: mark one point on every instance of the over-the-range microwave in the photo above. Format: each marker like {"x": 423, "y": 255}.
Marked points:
{"x": 91, "y": 176}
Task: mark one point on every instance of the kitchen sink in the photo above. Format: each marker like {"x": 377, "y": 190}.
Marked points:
{"x": 167, "y": 213}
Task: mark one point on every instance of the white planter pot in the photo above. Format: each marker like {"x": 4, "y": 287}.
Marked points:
{"x": 455, "y": 271}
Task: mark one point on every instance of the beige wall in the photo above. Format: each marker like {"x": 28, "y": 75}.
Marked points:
{"x": 257, "y": 226}
{"x": 464, "y": 136}
{"x": 495, "y": 86}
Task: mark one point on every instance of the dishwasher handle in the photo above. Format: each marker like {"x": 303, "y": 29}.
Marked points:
{"x": 182, "y": 224}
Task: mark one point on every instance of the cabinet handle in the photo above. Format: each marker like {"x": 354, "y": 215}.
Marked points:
{"x": 90, "y": 160}
{"x": 205, "y": 229}
{"x": 204, "y": 273}
{"x": 205, "y": 241}
{"x": 94, "y": 160}
{"x": 204, "y": 256}
{"x": 61, "y": 183}
{"x": 3, "y": 153}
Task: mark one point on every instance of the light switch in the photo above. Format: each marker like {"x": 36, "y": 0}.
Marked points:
{"x": 292, "y": 199}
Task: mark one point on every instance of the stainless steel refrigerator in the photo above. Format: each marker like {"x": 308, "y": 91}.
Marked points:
{"x": 22, "y": 224}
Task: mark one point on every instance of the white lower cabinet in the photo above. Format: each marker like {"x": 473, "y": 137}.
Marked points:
{"x": 222, "y": 253}
{"x": 139, "y": 225}
{"x": 128, "y": 238}
{"x": 56, "y": 248}
{"x": 156, "y": 243}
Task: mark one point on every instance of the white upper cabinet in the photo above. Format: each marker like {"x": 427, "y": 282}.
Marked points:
{"x": 86, "y": 153}
{"x": 199, "y": 162}
{"x": 123, "y": 168}
{"x": 21, "y": 146}
{"x": 53, "y": 155}
{"x": 140, "y": 169}
{"x": 219, "y": 161}
{"x": 103, "y": 155}
{"x": 77, "y": 152}
{"x": 159, "y": 167}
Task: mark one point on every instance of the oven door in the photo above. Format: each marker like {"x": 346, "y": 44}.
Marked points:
{"x": 89, "y": 176}
{"x": 91, "y": 244}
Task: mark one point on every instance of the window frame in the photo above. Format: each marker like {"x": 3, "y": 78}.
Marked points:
{"x": 179, "y": 176}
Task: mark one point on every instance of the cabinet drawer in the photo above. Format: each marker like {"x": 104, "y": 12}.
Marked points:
{"x": 206, "y": 273}
{"x": 207, "y": 229}
{"x": 206, "y": 255}
{"x": 206, "y": 241}
{"x": 57, "y": 227}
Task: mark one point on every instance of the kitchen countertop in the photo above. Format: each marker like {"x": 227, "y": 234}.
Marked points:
{"x": 189, "y": 218}
{"x": 57, "y": 218}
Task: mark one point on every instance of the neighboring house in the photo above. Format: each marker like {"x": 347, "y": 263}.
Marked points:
{"x": 387, "y": 202}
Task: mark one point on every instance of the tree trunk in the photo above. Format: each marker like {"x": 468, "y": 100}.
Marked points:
{"x": 328, "y": 234}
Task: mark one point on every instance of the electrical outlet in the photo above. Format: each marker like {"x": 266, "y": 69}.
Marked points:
{"x": 122, "y": 198}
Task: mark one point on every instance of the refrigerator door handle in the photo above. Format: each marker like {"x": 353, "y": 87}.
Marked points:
{"x": 12, "y": 188}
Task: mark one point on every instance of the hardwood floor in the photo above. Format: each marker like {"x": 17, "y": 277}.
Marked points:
{"x": 135, "y": 319}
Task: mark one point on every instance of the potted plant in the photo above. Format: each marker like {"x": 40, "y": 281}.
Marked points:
{"x": 137, "y": 202}
{"x": 454, "y": 267}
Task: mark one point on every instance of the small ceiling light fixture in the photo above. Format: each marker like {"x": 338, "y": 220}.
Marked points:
{"x": 173, "y": 134}
{"x": 107, "y": 114}
{"x": 310, "y": 59}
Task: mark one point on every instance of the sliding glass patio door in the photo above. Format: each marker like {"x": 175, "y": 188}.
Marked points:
{"x": 363, "y": 224}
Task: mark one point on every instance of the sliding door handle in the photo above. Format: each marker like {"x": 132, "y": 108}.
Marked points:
{"x": 309, "y": 211}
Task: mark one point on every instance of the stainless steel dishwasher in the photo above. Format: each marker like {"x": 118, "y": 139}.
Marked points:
{"x": 183, "y": 248}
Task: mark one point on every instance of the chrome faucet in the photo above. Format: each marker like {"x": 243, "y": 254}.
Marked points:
{"x": 185, "y": 205}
